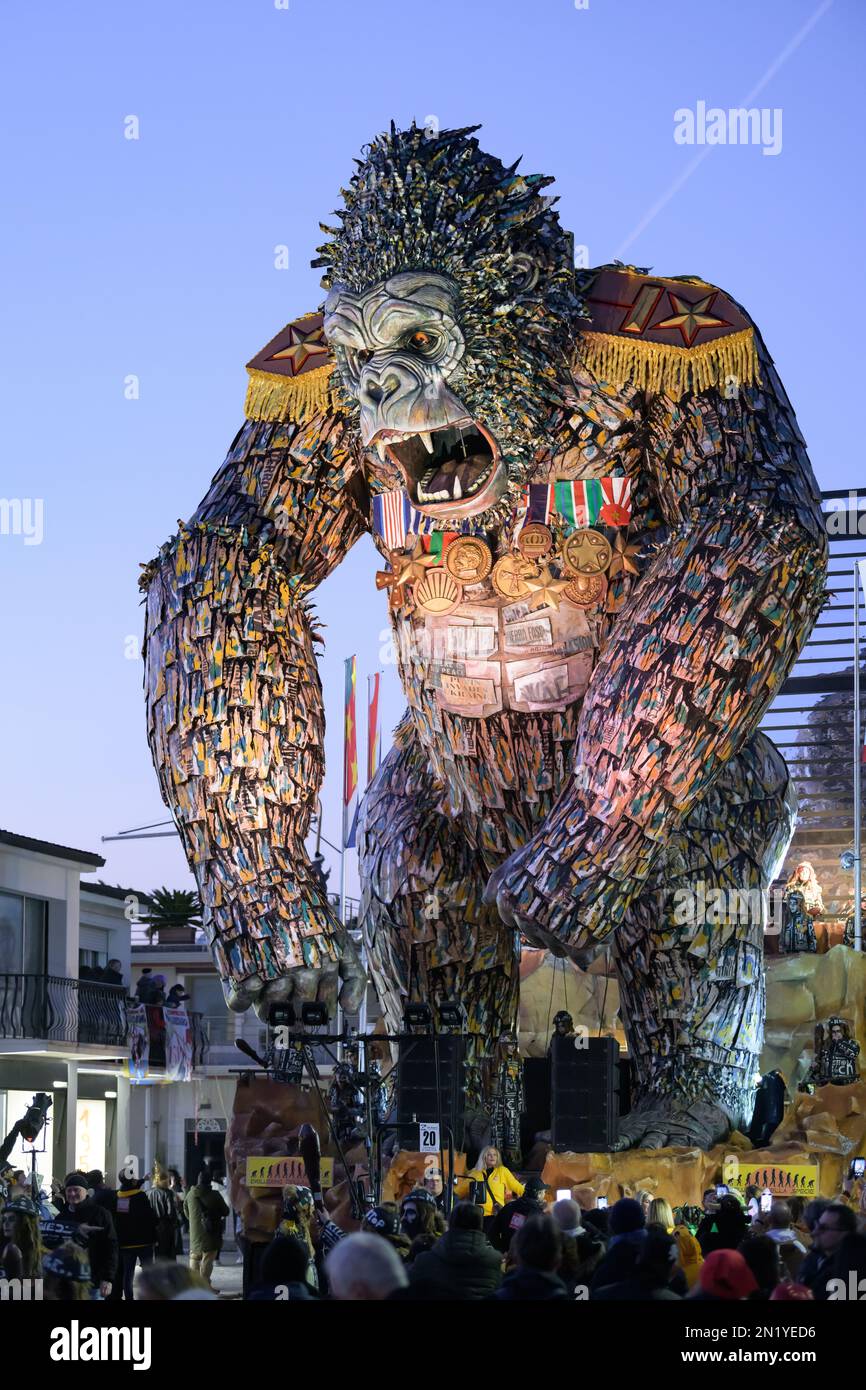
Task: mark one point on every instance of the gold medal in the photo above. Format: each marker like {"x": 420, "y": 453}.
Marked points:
{"x": 468, "y": 560}
{"x": 535, "y": 540}
{"x": 437, "y": 593}
{"x": 585, "y": 590}
{"x": 586, "y": 552}
{"x": 510, "y": 574}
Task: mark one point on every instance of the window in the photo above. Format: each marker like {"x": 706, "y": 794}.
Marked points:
{"x": 23, "y": 934}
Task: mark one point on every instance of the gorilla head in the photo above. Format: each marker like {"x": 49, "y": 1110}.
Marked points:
{"x": 452, "y": 313}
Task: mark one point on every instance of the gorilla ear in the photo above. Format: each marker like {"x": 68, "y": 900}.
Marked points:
{"x": 523, "y": 272}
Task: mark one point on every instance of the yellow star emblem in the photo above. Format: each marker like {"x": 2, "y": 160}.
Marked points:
{"x": 691, "y": 318}
{"x": 546, "y": 589}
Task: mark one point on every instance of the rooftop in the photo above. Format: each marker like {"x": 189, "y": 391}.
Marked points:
{"x": 76, "y": 856}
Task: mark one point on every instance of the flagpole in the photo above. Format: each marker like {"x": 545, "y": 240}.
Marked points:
{"x": 858, "y": 755}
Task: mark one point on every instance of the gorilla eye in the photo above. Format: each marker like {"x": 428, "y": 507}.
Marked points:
{"x": 420, "y": 341}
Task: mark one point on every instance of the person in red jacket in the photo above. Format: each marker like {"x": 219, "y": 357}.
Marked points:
{"x": 136, "y": 1229}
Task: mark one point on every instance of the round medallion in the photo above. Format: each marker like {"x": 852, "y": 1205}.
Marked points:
{"x": 468, "y": 560}
{"x": 510, "y": 574}
{"x": 535, "y": 540}
{"x": 585, "y": 590}
{"x": 586, "y": 552}
{"x": 437, "y": 593}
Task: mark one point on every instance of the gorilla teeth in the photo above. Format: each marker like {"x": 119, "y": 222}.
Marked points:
{"x": 456, "y": 491}
{"x": 424, "y": 436}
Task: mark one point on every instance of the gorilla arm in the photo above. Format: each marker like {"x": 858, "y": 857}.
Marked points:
{"x": 234, "y": 703}
{"x": 693, "y": 660}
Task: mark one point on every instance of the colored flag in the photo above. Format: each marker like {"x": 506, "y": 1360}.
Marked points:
{"x": 394, "y": 517}
{"x": 350, "y": 761}
{"x": 582, "y": 503}
{"x": 374, "y": 732}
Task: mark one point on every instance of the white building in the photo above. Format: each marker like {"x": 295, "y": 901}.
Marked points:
{"x": 64, "y": 1032}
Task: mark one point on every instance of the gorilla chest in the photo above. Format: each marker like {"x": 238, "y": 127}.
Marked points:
{"x": 499, "y": 653}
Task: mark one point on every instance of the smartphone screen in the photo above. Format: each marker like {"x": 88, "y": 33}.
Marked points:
{"x": 858, "y": 1167}
{"x": 766, "y": 1201}
{"x": 601, "y": 1203}
{"x": 721, "y": 1190}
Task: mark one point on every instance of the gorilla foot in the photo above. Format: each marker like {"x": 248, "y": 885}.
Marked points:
{"x": 662, "y": 1125}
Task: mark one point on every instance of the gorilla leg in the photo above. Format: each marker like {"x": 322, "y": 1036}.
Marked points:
{"x": 689, "y": 957}
{"x": 427, "y": 932}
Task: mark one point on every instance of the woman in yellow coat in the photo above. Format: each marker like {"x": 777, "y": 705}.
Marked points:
{"x": 500, "y": 1184}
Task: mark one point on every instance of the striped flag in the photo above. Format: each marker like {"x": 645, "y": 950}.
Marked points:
{"x": 350, "y": 761}
{"x": 584, "y": 503}
{"x": 394, "y": 517}
{"x": 374, "y": 730}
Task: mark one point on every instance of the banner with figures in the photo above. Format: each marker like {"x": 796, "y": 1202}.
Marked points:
{"x": 782, "y": 1179}
{"x": 277, "y": 1172}
{"x": 178, "y": 1045}
{"x": 138, "y": 1038}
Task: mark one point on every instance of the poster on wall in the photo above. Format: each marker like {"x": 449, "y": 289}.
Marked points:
{"x": 138, "y": 1037}
{"x": 782, "y": 1179}
{"x": 178, "y": 1045}
{"x": 90, "y": 1135}
{"x": 276, "y": 1172}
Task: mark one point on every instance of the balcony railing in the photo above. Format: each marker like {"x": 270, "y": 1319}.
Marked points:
{"x": 56, "y": 1009}
{"x": 52, "y": 1008}
{"x": 156, "y": 1031}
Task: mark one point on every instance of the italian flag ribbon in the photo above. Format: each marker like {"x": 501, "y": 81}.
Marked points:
{"x": 583, "y": 503}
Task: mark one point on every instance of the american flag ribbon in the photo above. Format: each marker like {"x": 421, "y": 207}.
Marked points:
{"x": 394, "y": 517}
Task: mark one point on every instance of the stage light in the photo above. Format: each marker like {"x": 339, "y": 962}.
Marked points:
{"x": 418, "y": 1016}
{"x": 281, "y": 1015}
{"x": 314, "y": 1015}
{"x": 35, "y": 1116}
{"x": 451, "y": 1014}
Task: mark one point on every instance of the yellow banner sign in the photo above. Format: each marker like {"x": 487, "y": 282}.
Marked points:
{"x": 277, "y": 1172}
{"x": 782, "y": 1179}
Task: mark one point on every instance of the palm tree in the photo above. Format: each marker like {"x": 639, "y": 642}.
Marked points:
{"x": 174, "y": 915}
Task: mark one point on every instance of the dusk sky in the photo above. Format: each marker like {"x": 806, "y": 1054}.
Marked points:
{"x": 154, "y": 258}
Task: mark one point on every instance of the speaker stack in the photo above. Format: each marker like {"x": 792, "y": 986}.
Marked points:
{"x": 416, "y": 1081}
{"x": 584, "y": 1094}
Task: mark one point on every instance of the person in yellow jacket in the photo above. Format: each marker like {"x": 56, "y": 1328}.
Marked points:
{"x": 500, "y": 1184}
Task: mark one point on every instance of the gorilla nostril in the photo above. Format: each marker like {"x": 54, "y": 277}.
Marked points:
{"x": 374, "y": 391}
{"x": 390, "y": 384}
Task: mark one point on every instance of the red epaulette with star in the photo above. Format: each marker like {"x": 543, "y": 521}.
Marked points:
{"x": 664, "y": 334}
{"x": 291, "y": 376}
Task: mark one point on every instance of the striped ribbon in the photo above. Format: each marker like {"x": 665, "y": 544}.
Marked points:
{"x": 583, "y": 503}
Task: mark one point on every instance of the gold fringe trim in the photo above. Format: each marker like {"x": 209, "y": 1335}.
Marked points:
{"x": 290, "y": 398}
{"x": 660, "y": 368}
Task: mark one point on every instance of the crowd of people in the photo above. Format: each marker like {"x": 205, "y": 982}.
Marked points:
{"x": 503, "y": 1239}
{"x": 87, "y": 1241}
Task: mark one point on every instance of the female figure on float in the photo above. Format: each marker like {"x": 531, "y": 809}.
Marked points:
{"x": 489, "y": 1184}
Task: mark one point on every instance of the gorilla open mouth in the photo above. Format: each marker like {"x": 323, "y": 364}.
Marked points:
{"x": 451, "y": 471}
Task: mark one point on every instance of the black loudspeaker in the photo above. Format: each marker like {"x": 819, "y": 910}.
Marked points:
{"x": 536, "y": 1085}
{"x": 416, "y": 1082}
{"x": 584, "y": 1098}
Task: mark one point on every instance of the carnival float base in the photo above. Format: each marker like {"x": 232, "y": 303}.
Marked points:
{"x": 815, "y": 1143}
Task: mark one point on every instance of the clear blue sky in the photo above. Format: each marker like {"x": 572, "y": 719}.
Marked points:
{"x": 155, "y": 257}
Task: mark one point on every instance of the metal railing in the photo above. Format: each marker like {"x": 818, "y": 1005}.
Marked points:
{"x": 57, "y": 1009}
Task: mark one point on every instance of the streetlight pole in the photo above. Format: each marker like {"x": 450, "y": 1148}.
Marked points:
{"x": 858, "y": 753}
